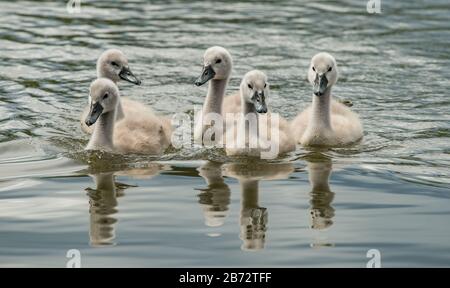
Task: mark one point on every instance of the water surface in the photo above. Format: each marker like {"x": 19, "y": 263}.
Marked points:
{"x": 200, "y": 208}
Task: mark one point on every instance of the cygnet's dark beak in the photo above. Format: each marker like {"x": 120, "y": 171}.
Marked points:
{"x": 94, "y": 113}
{"x": 320, "y": 84}
{"x": 259, "y": 100}
{"x": 207, "y": 74}
{"x": 127, "y": 75}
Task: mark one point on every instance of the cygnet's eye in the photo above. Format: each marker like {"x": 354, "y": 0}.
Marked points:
{"x": 105, "y": 96}
{"x": 329, "y": 69}
{"x": 218, "y": 61}
{"x": 314, "y": 69}
{"x": 114, "y": 64}
{"x": 250, "y": 86}
{"x": 265, "y": 85}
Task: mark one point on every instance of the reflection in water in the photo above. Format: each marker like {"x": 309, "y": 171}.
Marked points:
{"x": 214, "y": 199}
{"x": 103, "y": 201}
{"x": 102, "y": 205}
{"x": 321, "y": 212}
{"x": 149, "y": 171}
{"x": 253, "y": 218}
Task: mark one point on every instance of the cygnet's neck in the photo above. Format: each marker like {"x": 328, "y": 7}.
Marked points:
{"x": 249, "y": 190}
{"x": 319, "y": 176}
{"x": 102, "y": 137}
{"x": 102, "y": 207}
{"x": 105, "y": 183}
{"x": 120, "y": 114}
{"x": 249, "y": 113}
{"x": 320, "y": 114}
{"x": 214, "y": 99}
{"x": 248, "y": 108}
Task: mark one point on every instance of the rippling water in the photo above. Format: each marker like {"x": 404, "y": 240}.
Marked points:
{"x": 199, "y": 208}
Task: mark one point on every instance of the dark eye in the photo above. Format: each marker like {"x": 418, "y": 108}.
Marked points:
{"x": 265, "y": 85}
{"x": 115, "y": 64}
{"x": 314, "y": 69}
{"x": 218, "y": 61}
{"x": 329, "y": 69}
{"x": 105, "y": 96}
{"x": 250, "y": 86}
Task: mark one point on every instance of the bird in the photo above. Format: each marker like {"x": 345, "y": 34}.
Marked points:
{"x": 112, "y": 64}
{"x": 326, "y": 122}
{"x": 140, "y": 132}
{"x": 217, "y": 68}
{"x": 256, "y": 133}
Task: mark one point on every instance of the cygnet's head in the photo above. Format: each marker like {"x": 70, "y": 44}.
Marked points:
{"x": 103, "y": 98}
{"x": 322, "y": 72}
{"x": 255, "y": 90}
{"x": 217, "y": 64}
{"x": 113, "y": 64}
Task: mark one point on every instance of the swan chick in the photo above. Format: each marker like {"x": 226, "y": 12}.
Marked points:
{"x": 326, "y": 122}
{"x": 262, "y": 134}
{"x": 141, "y": 132}
{"x": 217, "y": 67}
{"x": 104, "y": 98}
{"x": 112, "y": 64}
